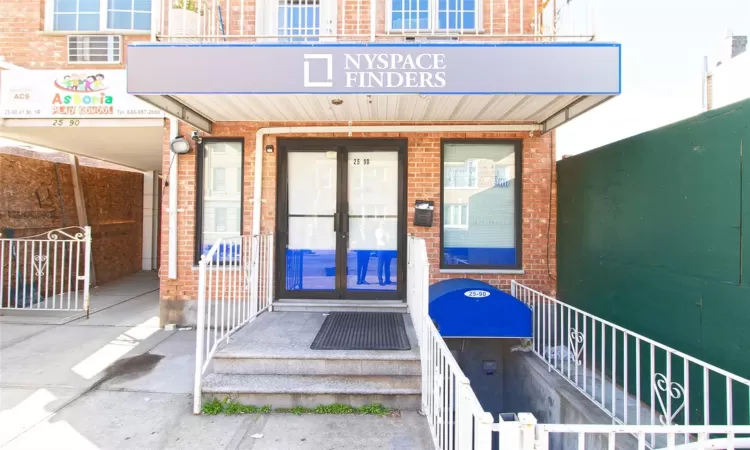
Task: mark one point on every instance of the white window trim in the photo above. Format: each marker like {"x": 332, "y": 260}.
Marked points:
{"x": 457, "y": 227}
{"x": 49, "y": 20}
{"x": 267, "y": 20}
{"x": 432, "y": 20}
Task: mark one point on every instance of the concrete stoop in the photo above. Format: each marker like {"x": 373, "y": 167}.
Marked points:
{"x": 270, "y": 363}
{"x": 286, "y": 391}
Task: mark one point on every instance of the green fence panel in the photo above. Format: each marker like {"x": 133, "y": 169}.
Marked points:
{"x": 650, "y": 237}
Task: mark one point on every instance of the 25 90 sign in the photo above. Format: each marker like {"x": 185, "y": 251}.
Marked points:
{"x": 66, "y": 122}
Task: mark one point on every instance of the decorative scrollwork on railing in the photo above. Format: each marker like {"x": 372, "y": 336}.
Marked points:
{"x": 665, "y": 389}
{"x": 576, "y": 342}
{"x": 60, "y": 234}
{"x": 39, "y": 265}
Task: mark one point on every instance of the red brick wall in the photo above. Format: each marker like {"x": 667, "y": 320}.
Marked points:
{"x": 23, "y": 41}
{"x": 354, "y": 19}
{"x": 32, "y": 203}
{"x": 538, "y": 204}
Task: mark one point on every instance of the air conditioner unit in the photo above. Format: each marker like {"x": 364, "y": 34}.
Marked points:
{"x": 100, "y": 49}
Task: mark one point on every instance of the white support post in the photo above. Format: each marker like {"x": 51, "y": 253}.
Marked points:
{"x": 463, "y": 417}
{"x": 509, "y": 432}
{"x": 87, "y": 270}
{"x": 483, "y": 432}
{"x": 529, "y": 438}
{"x": 173, "y": 187}
{"x": 150, "y": 215}
{"x": 373, "y": 19}
{"x": 200, "y": 335}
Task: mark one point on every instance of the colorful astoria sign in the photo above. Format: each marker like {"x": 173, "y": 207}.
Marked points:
{"x": 75, "y": 94}
{"x": 457, "y": 68}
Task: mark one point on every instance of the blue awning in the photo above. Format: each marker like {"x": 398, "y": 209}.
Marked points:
{"x": 464, "y": 308}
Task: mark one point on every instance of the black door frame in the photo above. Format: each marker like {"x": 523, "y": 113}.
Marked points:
{"x": 342, "y": 147}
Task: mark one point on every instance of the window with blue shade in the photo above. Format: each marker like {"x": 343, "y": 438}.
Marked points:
{"x": 433, "y": 15}
{"x": 481, "y": 211}
{"x": 299, "y": 20}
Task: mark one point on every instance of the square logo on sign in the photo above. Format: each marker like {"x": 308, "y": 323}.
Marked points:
{"x": 318, "y": 82}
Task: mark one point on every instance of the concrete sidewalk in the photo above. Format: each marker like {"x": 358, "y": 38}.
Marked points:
{"x": 116, "y": 380}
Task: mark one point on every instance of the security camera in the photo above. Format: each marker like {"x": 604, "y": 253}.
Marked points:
{"x": 196, "y": 137}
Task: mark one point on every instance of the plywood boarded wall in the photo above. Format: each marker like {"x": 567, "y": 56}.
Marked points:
{"x": 36, "y": 196}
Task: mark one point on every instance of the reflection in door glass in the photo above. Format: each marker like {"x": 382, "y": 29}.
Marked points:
{"x": 372, "y": 255}
{"x": 311, "y": 245}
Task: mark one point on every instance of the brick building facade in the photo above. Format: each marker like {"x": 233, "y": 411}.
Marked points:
{"x": 539, "y": 210}
{"x": 35, "y": 37}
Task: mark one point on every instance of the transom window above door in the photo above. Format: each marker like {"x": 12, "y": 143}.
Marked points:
{"x": 434, "y": 15}
{"x": 296, "y": 20}
{"x": 98, "y": 15}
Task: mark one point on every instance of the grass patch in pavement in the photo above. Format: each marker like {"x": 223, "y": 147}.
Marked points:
{"x": 231, "y": 408}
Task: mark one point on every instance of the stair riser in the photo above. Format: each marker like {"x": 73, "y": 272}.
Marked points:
{"x": 279, "y": 307}
{"x": 256, "y": 366}
{"x": 408, "y": 402}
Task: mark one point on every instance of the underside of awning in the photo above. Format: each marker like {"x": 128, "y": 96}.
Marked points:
{"x": 135, "y": 143}
{"x": 202, "y": 110}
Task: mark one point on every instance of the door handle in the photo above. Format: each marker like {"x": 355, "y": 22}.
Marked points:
{"x": 345, "y": 222}
{"x": 336, "y": 222}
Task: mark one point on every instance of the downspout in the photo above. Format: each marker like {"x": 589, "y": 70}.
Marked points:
{"x": 262, "y": 132}
{"x": 173, "y": 130}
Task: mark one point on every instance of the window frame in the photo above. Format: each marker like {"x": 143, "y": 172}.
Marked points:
{"x": 49, "y": 20}
{"x": 433, "y": 11}
{"x": 267, "y": 23}
{"x": 518, "y": 207}
{"x": 199, "y": 191}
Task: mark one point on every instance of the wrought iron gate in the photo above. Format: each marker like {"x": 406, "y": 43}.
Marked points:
{"x": 46, "y": 272}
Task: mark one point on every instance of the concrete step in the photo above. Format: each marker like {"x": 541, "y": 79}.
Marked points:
{"x": 297, "y": 305}
{"x": 287, "y": 391}
{"x": 319, "y": 363}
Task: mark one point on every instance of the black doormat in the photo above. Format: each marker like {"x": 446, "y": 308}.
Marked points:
{"x": 362, "y": 331}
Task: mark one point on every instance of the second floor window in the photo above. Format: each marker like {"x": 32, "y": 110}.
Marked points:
{"x": 296, "y": 20}
{"x": 434, "y": 15}
{"x": 299, "y": 19}
{"x": 99, "y": 15}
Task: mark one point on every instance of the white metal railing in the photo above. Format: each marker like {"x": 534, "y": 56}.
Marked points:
{"x": 235, "y": 284}
{"x": 371, "y": 20}
{"x": 454, "y": 414}
{"x": 634, "y": 379}
{"x": 46, "y": 272}
{"x": 630, "y": 436}
{"x": 417, "y": 285}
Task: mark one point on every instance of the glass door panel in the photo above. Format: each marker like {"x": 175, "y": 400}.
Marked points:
{"x": 372, "y": 199}
{"x": 311, "y": 244}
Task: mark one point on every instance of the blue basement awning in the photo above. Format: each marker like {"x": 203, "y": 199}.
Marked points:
{"x": 463, "y": 308}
